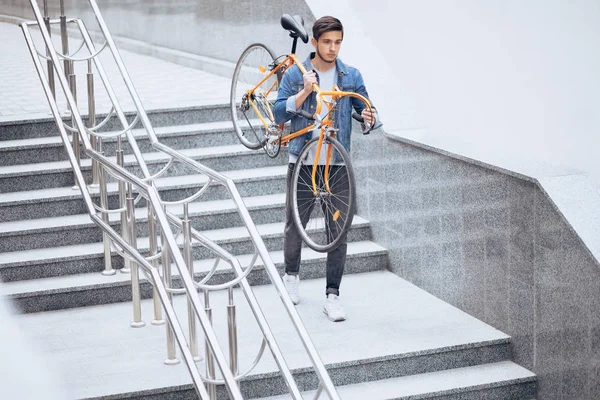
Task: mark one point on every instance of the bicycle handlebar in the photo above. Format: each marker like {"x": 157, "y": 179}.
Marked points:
{"x": 306, "y": 114}
{"x": 357, "y": 117}
{"x": 338, "y": 93}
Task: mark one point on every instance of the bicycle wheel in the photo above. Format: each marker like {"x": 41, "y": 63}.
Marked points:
{"x": 323, "y": 218}
{"x": 253, "y": 66}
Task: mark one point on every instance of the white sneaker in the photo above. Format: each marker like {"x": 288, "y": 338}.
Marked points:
{"x": 333, "y": 308}
{"x": 292, "y": 285}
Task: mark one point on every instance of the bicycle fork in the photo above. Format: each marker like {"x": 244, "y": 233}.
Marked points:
{"x": 328, "y": 157}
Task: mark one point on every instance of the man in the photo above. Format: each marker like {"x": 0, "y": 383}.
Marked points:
{"x": 296, "y": 93}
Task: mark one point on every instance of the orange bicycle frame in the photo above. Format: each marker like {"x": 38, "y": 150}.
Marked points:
{"x": 326, "y": 122}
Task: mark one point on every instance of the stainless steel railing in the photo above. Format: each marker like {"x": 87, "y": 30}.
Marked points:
{"x": 157, "y": 265}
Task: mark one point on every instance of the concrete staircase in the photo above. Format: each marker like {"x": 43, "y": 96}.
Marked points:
{"x": 398, "y": 341}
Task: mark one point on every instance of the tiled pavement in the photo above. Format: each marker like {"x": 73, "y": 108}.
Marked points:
{"x": 160, "y": 84}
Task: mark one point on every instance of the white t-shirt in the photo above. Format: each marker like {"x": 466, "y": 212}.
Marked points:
{"x": 326, "y": 82}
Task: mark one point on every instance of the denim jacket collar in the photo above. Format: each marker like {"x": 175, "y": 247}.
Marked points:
{"x": 338, "y": 64}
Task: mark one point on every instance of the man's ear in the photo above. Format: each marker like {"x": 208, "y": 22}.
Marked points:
{"x": 313, "y": 42}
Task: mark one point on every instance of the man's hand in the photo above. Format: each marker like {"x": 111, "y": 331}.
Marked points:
{"x": 368, "y": 116}
{"x": 309, "y": 78}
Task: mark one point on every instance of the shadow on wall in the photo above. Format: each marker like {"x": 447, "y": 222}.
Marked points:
{"x": 218, "y": 29}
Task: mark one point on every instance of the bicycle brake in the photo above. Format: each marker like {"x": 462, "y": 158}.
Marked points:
{"x": 332, "y": 132}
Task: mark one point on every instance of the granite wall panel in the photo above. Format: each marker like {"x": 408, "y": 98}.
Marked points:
{"x": 494, "y": 245}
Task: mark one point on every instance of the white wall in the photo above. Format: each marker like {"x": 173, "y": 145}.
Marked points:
{"x": 495, "y": 80}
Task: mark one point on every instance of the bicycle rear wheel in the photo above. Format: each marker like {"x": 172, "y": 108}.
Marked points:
{"x": 251, "y": 111}
{"x": 323, "y": 218}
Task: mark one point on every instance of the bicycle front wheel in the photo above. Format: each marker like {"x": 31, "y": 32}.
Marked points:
{"x": 323, "y": 213}
{"x": 252, "y": 104}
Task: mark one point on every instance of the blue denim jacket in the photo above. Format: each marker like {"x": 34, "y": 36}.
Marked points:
{"x": 349, "y": 80}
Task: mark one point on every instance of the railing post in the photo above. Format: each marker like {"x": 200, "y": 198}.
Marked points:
{"x": 153, "y": 239}
{"x": 166, "y": 263}
{"x": 95, "y": 141}
{"x": 122, "y": 203}
{"x": 64, "y": 38}
{"x": 189, "y": 262}
{"x": 70, "y": 75}
{"x": 135, "y": 279}
{"x": 108, "y": 269}
{"x": 75, "y": 133}
{"x": 49, "y": 62}
{"x": 319, "y": 391}
{"x": 232, "y": 329}
{"x": 99, "y": 174}
{"x": 211, "y": 388}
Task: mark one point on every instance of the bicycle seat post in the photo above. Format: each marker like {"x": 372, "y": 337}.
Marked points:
{"x": 295, "y": 42}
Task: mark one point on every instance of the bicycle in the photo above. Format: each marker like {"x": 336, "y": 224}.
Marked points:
{"x": 327, "y": 197}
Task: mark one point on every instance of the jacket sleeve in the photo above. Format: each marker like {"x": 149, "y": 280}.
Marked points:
{"x": 285, "y": 91}
{"x": 358, "y": 105}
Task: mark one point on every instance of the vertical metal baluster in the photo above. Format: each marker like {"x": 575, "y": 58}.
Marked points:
{"x": 232, "y": 326}
{"x": 189, "y": 261}
{"x": 98, "y": 172}
{"x": 108, "y": 269}
{"x": 211, "y": 388}
{"x": 158, "y": 319}
{"x": 65, "y": 40}
{"x": 92, "y": 121}
{"x": 75, "y": 134}
{"x": 319, "y": 391}
{"x": 64, "y": 37}
{"x": 122, "y": 202}
{"x": 166, "y": 262}
{"x": 49, "y": 62}
{"x": 135, "y": 279}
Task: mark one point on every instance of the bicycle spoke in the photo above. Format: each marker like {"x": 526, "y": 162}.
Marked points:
{"x": 329, "y": 215}
{"x": 253, "y": 66}
{"x": 251, "y": 127}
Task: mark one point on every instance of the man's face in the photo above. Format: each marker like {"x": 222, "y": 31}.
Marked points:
{"x": 328, "y": 46}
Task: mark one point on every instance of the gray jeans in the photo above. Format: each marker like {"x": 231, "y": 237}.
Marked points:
{"x": 292, "y": 241}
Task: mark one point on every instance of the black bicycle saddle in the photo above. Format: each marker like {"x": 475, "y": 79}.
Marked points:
{"x": 295, "y": 25}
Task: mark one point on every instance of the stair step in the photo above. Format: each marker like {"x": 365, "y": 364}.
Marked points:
{"x": 61, "y": 201}
{"x": 80, "y": 290}
{"x": 88, "y": 257}
{"x": 53, "y": 174}
{"x": 399, "y": 342}
{"x": 393, "y": 329}
{"x": 72, "y": 222}
{"x": 46, "y": 127}
{"x": 501, "y": 380}
{"x": 190, "y": 136}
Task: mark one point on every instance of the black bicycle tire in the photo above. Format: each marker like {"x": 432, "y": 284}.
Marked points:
{"x": 352, "y": 197}
{"x": 232, "y": 93}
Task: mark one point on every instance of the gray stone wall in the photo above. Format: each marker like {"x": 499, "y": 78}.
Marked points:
{"x": 493, "y": 245}
{"x": 219, "y": 29}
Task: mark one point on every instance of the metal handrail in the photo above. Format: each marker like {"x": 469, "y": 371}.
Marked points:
{"x": 320, "y": 370}
{"x": 132, "y": 252}
{"x": 152, "y": 196}
{"x": 145, "y": 188}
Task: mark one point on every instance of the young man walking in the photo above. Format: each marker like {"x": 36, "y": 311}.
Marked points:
{"x": 296, "y": 93}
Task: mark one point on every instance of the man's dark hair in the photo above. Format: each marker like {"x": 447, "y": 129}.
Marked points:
{"x": 326, "y": 24}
